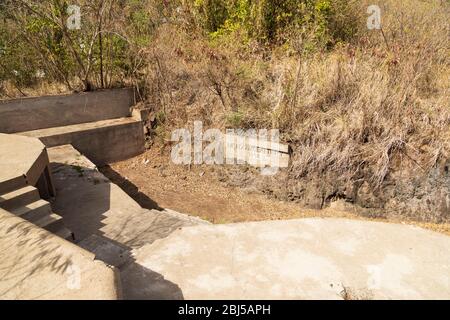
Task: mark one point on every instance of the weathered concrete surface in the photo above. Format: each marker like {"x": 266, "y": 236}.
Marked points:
{"x": 299, "y": 259}
{"x": 107, "y": 222}
{"x": 18, "y": 155}
{"x": 103, "y": 142}
{"x": 22, "y": 161}
{"x": 35, "y": 264}
{"x": 55, "y": 111}
{"x": 91, "y": 204}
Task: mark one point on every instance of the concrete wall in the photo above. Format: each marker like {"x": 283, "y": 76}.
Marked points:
{"x": 35, "y": 264}
{"x": 28, "y": 114}
{"x": 104, "y": 145}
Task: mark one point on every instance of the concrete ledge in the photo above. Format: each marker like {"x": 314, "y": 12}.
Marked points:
{"x": 8, "y": 185}
{"x": 35, "y": 264}
{"x": 103, "y": 142}
{"x": 111, "y": 144}
{"x": 22, "y": 161}
{"x": 54, "y": 111}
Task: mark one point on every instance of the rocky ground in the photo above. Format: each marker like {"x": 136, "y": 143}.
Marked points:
{"x": 228, "y": 195}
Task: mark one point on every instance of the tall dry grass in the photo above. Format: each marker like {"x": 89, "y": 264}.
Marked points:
{"x": 357, "y": 113}
{"x": 378, "y": 102}
{"x": 381, "y": 103}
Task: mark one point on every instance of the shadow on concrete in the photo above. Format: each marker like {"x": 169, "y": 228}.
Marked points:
{"x": 140, "y": 283}
{"x": 26, "y": 252}
{"x": 131, "y": 189}
{"x": 81, "y": 199}
{"x": 84, "y": 198}
{"x": 137, "y": 282}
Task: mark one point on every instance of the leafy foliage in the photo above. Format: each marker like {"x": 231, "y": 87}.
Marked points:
{"x": 278, "y": 20}
{"x": 36, "y": 45}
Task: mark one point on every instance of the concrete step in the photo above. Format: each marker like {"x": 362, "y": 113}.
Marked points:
{"x": 19, "y": 198}
{"x": 102, "y": 142}
{"x": 65, "y": 234}
{"x": 106, "y": 250}
{"x": 9, "y": 185}
{"x": 52, "y": 223}
{"x": 33, "y": 212}
{"x": 40, "y": 213}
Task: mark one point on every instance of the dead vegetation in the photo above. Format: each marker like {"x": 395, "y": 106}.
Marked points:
{"x": 369, "y": 121}
{"x": 368, "y": 117}
{"x": 205, "y": 192}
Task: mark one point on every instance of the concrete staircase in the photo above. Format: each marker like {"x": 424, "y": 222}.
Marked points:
{"x": 98, "y": 124}
{"x": 26, "y": 203}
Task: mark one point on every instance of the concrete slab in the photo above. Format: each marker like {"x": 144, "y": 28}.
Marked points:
{"x": 19, "y": 155}
{"x": 55, "y": 111}
{"x": 106, "y": 250}
{"x": 103, "y": 142}
{"x": 298, "y": 259}
{"x": 91, "y": 204}
{"x": 35, "y": 264}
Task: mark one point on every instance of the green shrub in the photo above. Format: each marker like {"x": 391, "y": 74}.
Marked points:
{"x": 234, "y": 119}
{"x": 268, "y": 21}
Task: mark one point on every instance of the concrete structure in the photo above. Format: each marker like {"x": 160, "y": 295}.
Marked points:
{"x": 29, "y": 114}
{"x": 106, "y": 221}
{"x": 125, "y": 251}
{"x": 35, "y": 264}
{"x": 92, "y": 205}
{"x": 22, "y": 162}
{"x": 99, "y": 124}
{"x": 103, "y": 141}
{"x": 298, "y": 259}
{"x": 25, "y": 179}
{"x": 161, "y": 254}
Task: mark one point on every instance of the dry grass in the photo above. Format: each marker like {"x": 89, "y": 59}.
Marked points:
{"x": 9, "y": 91}
{"x": 360, "y": 104}
{"x": 198, "y": 192}
{"x": 363, "y": 110}
{"x": 358, "y": 113}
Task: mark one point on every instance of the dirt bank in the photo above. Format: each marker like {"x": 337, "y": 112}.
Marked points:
{"x": 214, "y": 194}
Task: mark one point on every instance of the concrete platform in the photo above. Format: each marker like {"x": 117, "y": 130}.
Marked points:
{"x": 23, "y": 162}
{"x": 105, "y": 220}
{"x": 35, "y": 264}
{"x": 299, "y": 259}
{"x": 28, "y": 114}
{"x": 103, "y": 142}
{"x": 21, "y": 158}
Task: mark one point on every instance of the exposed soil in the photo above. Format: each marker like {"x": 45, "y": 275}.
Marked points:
{"x": 153, "y": 181}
